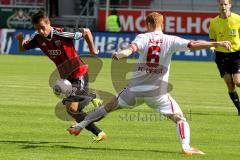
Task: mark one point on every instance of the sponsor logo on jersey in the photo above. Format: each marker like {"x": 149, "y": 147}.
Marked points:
{"x": 233, "y": 32}
{"x": 54, "y": 52}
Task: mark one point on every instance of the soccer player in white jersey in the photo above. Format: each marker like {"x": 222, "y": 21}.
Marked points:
{"x": 150, "y": 79}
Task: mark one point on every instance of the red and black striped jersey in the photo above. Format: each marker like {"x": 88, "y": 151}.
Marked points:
{"x": 59, "y": 47}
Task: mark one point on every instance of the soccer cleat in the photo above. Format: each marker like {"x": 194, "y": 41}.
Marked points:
{"x": 101, "y": 136}
{"x": 193, "y": 151}
{"x": 74, "y": 131}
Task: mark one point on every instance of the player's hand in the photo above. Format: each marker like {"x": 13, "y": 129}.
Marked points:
{"x": 20, "y": 39}
{"x": 19, "y": 36}
{"x": 212, "y": 49}
{"x": 114, "y": 56}
{"x": 226, "y": 44}
{"x": 94, "y": 52}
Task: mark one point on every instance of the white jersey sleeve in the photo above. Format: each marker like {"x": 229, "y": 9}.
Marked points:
{"x": 179, "y": 44}
{"x": 140, "y": 41}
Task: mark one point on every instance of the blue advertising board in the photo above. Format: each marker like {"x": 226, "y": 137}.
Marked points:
{"x": 106, "y": 43}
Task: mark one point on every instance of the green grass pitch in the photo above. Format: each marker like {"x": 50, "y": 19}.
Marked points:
{"x": 31, "y": 131}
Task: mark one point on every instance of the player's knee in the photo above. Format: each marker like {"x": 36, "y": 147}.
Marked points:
{"x": 231, "y": 87}
{"x": 237, "y": 83}
{"x": 177, "y": 117}
{"x": 230, "y": 83}
{"x": 111, "y": 106}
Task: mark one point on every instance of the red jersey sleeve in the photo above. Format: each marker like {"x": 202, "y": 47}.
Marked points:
{"x": 31, "y": 43}
{"x": 70, "y": 33}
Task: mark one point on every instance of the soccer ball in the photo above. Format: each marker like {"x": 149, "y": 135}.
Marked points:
{"x": 62, "y": 88}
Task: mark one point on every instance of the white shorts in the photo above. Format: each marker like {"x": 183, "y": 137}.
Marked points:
{"x": 163, "y": 104}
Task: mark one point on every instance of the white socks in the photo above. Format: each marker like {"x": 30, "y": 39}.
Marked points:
{"x": 184, "y": 134}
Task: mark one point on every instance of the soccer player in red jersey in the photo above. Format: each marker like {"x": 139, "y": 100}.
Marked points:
{"x": 59, "y": 47}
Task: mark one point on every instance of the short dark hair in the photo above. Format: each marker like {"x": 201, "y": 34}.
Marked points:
{"x": 37, "y": 17}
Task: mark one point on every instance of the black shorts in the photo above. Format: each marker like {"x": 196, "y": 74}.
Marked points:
{"x": 80, "y": 88}
{"x": 228, "y": 63}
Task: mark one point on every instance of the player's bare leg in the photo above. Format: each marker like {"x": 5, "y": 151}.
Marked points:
{"x": 236, "y": 79}
{"x": 231, "y": 81}
{"x": 167, "y": 106}
{"x": 183, "y": 131}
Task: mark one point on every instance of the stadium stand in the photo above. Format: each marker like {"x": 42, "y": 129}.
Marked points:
{"x": 23, "y": 2}
{"x": 83, "y": 13}
{"x": 191, "y": 5}
{"x": 5, "y": 2}
{"x": 75, "y": 13}
{"x": 136, "y": 3}
{"x": 30, "y": 2}
{"x": 128, "y": 3}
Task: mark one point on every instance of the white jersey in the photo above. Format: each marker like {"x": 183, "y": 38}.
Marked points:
{"x": 153, "y": 65}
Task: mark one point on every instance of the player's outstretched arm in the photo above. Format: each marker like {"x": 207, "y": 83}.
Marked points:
{"x": 19, "y": 38}
{"x": 196, "y": 45}
{"x": 89, "y": 39}
{"x": 122, "y": 53}
{"x": 212, "y": 49}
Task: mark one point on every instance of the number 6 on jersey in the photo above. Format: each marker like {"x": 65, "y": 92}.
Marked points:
{"x": 153, "y": 56}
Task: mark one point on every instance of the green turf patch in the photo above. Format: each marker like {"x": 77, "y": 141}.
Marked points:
{"x": 31, "y": 131}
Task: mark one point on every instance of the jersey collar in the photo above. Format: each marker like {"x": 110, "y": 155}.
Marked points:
{"x": 158, "y": 31}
